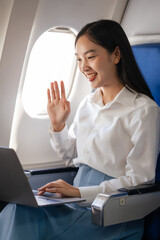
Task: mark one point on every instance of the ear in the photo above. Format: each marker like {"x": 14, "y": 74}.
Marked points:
{"x": 116, "y": 55}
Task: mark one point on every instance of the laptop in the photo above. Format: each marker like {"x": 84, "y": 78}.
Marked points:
{"x": 15, "y": 187}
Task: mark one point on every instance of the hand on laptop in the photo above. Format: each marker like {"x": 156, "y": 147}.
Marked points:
{"x": 60, "y": 187}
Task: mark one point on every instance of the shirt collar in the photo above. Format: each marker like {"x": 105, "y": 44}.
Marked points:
{"x": 125, "y": 97}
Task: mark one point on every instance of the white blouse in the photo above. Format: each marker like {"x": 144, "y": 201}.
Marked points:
{"x": 120, "y": 139}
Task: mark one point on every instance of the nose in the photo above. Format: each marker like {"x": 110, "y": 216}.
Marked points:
{"x": 84, "y": 66}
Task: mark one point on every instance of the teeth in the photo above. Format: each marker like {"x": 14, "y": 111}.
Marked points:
{"x": 92, "y": 75}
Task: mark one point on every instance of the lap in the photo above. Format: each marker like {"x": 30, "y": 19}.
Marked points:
{"x": 58, "y": 222}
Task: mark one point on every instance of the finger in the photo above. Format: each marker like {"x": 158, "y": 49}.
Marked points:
{"x": 49, "y": 185}
{"x": 55, "y": 190}
{"x": 63, "y": 90}
{"x": 49, "y": 95}
{"x": 52, "y": 91}
{"x": 56, "y": 90}
{"x": 40, "y": 193}
{"x": 55, "y": 184}
{"x": 43, "y": 188}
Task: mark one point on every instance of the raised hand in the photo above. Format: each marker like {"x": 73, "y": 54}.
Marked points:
{"x": 58, "y": 107}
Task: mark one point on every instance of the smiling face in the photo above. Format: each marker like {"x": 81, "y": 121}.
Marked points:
{"x": 96, "y": 63}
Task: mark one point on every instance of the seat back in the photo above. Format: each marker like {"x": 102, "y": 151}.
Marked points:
{"x": 148, "y": 60}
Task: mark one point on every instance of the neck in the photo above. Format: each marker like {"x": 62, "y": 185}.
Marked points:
{"x": 110, "y": 92}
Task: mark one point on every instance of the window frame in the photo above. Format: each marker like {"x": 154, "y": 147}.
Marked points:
{"x": 43, "y": 114}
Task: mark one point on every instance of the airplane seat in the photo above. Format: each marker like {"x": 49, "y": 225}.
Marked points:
{"x": 152, "y": 221}
{"x": 148, "y": 57}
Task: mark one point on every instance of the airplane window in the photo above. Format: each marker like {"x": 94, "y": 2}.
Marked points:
{"x": 52, "y": 58}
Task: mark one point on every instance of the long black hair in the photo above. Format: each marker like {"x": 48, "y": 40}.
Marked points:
{"x": 109, "y": 34}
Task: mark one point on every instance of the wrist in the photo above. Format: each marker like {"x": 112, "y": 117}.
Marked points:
{"x": 78, "y": 194}
{"x": 58, "y": 128}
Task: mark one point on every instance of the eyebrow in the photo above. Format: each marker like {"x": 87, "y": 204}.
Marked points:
{"x": 89, "y": 51}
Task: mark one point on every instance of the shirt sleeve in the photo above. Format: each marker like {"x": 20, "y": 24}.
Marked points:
{"x": 141, "y": 160}
{"x": 64, "y": 143}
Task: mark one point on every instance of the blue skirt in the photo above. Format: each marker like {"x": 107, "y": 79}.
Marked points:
{"x": 65, "y": 222}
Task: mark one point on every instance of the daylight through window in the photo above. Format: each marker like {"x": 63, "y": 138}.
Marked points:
{"x": 52, "y": 58}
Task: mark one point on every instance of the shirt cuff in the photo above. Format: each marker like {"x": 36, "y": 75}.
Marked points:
{"x": 89, "y": 193}
{"x": 58, "y": 136}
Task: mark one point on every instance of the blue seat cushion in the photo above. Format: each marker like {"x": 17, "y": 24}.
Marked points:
{"x": 148, "y": 60}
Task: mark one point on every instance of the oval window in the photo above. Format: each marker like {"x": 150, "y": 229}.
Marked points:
{"x": 52, "y": 58}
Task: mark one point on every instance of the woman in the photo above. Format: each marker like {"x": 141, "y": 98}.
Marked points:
{"x": 113, "y": 140}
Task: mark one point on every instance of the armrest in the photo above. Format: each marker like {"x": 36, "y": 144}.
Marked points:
{"x": 143, "y": 188}
{"x": 121, "y": 206}
{"x": 39, "y": 177}
{"x": 51, "y": 170}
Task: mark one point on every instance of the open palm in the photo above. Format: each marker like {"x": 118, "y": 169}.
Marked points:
{"x": 58, "y": 107}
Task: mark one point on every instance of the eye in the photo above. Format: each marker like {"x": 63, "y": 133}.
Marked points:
{"x": 78, "y": 60}
{"x": 91, "y": 57}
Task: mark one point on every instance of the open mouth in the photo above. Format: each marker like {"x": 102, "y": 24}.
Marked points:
{"x": 91, "y": 77}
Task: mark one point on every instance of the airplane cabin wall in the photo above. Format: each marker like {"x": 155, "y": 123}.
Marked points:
{"x": 5, "y": 11}
{"x": 14, "y": 47}
{"x": 142, "y": 18}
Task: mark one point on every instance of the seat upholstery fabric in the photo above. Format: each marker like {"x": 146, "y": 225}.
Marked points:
{"x": 148, "y": 60}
